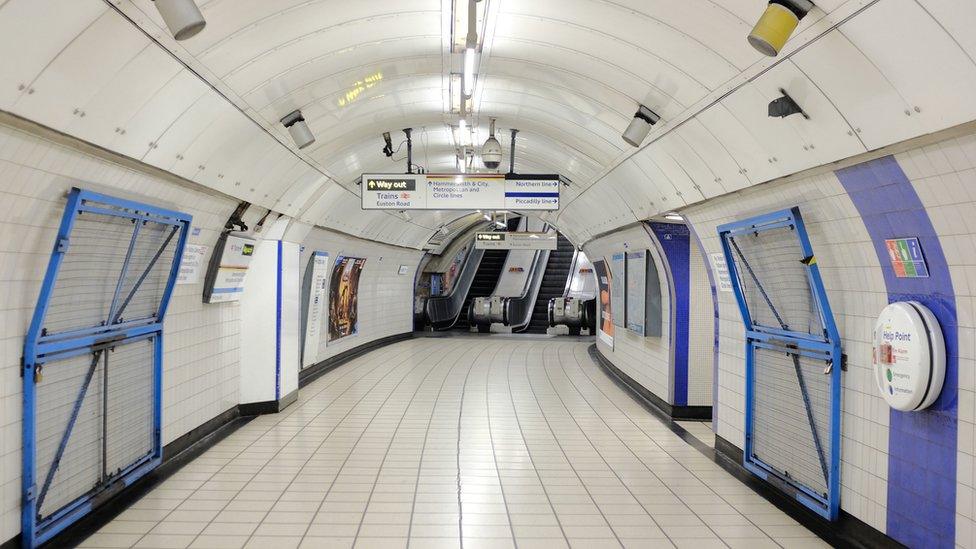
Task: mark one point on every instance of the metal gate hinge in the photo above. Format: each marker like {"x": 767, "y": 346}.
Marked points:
{"x": 62, "y": 245}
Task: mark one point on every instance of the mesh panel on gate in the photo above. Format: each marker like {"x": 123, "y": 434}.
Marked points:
{"x": 130, "y": 404}
{"x": 782, "y": 436}
{"x": 89, "y": 273}
{"x": 56, "y": 396}
{"x": 155, "y": 241}
{"x": 128, "y": 419}
{"x": 774, "y": 258}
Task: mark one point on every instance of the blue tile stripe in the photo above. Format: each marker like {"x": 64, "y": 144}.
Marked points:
{"x": 921, "y": 445}
{"x": 279, "y": 275}
{"x": 675, "y": 241}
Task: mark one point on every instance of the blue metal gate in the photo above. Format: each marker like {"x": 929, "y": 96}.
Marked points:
{"x": 793, "y": 358}
{"x": 93, "y": 358}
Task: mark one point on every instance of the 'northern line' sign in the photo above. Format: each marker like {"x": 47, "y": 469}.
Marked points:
{"x": 460, "y": 192}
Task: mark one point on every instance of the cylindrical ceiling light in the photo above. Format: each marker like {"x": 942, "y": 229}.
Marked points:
{"x": 777, "y": 24}
{"x": 300, "y": 134}
{"x": 183, "y": 17}
{"x": 640, "y": 126}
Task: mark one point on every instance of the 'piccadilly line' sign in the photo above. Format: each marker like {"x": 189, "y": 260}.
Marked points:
{"x": 460, "y": 192}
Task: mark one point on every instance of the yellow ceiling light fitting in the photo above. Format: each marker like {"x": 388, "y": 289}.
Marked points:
{"x": 777, "y": 24}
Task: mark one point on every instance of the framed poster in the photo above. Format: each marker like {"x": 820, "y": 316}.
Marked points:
{"x": 344, "y": 297}
{"x": 636, "y": 287}
{"x": 618, "y": 289}
{"x": 603, "y": 280}
{"x": 315, "y": 294}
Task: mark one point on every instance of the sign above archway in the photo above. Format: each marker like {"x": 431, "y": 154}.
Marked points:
{"x": 460, "y": 192}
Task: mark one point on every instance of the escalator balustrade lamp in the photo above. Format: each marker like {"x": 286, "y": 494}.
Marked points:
{"x": 777, "y": 24}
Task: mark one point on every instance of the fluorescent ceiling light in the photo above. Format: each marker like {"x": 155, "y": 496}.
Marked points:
{"x": 457, "y": 97}
{"x": 470, "y": 56}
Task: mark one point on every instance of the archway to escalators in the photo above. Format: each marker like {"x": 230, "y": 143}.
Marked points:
{"x": 517, "y": 276}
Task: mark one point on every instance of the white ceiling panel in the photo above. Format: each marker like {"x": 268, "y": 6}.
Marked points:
{"x": 569, "y": 74}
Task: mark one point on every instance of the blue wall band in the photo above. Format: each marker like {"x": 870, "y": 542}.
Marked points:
{"x": 675, "y": 241}
{"x": 922, "y": 446}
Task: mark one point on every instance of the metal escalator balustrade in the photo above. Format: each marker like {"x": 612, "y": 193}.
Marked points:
{"x": 553, "y": 284}
{"x": 492, "y": 263}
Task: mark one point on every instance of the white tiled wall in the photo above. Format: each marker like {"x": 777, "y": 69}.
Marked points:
{"x": 857, "y": 293}
{"x": 648, "y": 359}
{"x": 200, "y": 340}
{"x": 385, "y": 296}
{"x": 645, "y": 359}
{"x": 701, "y": 330}
{"x": 944, "y": 175}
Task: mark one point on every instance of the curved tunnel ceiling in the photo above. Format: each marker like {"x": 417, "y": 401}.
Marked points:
{"x": 567, "y": 73}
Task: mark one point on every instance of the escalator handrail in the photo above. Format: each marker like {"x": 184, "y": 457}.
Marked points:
{"x": 573, "y": 267}
{"x": 443, "y": 311}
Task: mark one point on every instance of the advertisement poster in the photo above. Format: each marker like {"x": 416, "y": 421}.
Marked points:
{"x": 605, "y": 329}
{"x": 636, "y": 291}
{"x": 191, "y": 266}
{"x": 618, "y": 288}
{"x": 344, "y": 297}
{"x": 453, "y": 270}
{"x": 317, "y": 279}
{"x": 228, "y": 268}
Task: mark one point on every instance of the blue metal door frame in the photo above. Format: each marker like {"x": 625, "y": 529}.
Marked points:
{"x": 41, "y": 348}
{"x": 825, "y": 347}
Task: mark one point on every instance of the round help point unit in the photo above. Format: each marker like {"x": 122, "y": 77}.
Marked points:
{"x": 909, "y": 356}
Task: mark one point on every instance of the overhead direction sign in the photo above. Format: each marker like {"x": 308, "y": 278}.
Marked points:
{"x": 460, "y": 192}
{"x": 515, "y": 241}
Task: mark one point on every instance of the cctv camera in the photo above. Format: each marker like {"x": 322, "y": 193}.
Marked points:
{"x": 491, "y": 152}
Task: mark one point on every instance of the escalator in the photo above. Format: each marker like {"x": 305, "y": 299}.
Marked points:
{"x": 492, "y": 263}
{"x": 553, "y": 284}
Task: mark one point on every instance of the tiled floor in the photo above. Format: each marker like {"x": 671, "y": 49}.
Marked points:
{"x": 702, "y": 430}
{"x": 487, "y": 442}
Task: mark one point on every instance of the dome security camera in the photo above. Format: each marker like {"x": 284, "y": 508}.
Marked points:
{"x": 491, "y": 152}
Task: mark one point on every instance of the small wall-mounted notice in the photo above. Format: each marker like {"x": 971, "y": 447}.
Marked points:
{"x": 228, "y": 268}
{"x": 723, "y": 280}
{"x": 516, "y": 241}
{"x": 906, "y": 258}
{"x": 404, "y": 270}
{"x": 460, "y": 192}
{"x": 316, "y": 290}
{"x": 618, "y": 289}
{"x": 191, "y": 266}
